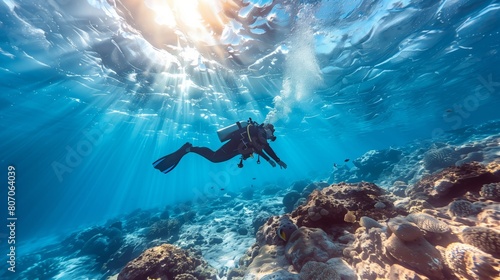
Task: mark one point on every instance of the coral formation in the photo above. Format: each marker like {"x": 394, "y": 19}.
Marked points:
{"x": 437, "y": 158}
{"x": 368, "y": 223}
{"x": 428, "y": 223}
{"x": 486, "y": 239}
{"x": 308, "y": 244}
{"x": 440, "y": 188}
{"x": 167, "y": 262}
{"x": 290, "y": 199}
{"x": 418, "y": 254}
{"x": 404, "y": 230}
{"x": 329, "y": 205}
{"x": 491, "y": 191}
{"x": 318, "y": 270}
{"x": 461, "y": 208}
{"x": 468, "y": 262}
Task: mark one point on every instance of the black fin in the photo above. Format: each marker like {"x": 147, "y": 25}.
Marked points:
{"x": 169, "y": 162}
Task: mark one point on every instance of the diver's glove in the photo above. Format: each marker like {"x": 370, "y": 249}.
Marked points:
{"x": 282, "y": 164}
{"x": 272, "y": 163}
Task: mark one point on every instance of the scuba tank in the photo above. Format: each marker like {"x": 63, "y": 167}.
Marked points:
{"x": 226, "y": 132}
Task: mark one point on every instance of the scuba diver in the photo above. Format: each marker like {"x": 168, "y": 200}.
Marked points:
{"x": 245, "y": 139}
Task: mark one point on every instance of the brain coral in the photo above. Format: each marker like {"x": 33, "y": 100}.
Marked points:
{"x": 435, "y": 159}
{"x": 318, "y": 270}
{"x": 468, "y": 262}
{"x": 491, "y": 191}
{"x": 418, "y": 254}
{"x": 461, "y": 208}
{"x": 428, "y": 223}
{"x": 483, "y": 238}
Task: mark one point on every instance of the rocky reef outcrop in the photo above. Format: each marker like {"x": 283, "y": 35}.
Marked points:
{"x": 167, "y": 262}
{"x": 381, "y": 235}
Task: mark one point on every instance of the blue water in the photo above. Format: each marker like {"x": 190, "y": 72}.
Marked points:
{"x": 92, "y": 94}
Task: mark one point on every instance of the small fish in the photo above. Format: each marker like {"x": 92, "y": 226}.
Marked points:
{"x": 449, "y": 110}
{"x": 222, "y": 189}
{"x": 346, "y": 160}
{"x": 253, "y": 178}
{"x": 335, "y": 165}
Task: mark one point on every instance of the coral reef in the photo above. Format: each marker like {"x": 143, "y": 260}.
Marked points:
{"x": 169, "y": 262}
{"x": 329, "y": 205}
{"x": 491, "y": 191}
{"x": 461, "y": 208}
{"x": 318, "y": 270}
{"x": 437, "y": 158}
{"x": 468, "y": 262}
{"x": 440, "y": 188}
{"x": 374, "y": 163}
{"x": 445, "y": 225}
{"x": 486, "y": 239}
{"x": 418, "y": 254}
{"x": 308, "y": 244}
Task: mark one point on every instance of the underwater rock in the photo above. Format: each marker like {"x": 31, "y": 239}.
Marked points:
{"x": 260, "y": 220}
{"x": 290, "y": 199}
{"x": 311, "y": 187}
{"x": 268, "y": 260}
{"x": 300, "y": 185}
{"x": 318, "y": 270}
{"x": 418, "y": 254}
{"x": 103, "y": 244}
{"x": 470, "y": 157}
{"x": 398, "y": 188}
{"x": 367, "y": 254}
{"x": 368, "y": 223}
{"x": 398, "y": 272}
{"x": 247, "y": 193}
{"x": 327, "y": 207}
{"x": 468, "y": 262}
{"x": 404, "y": 230}
{"x": 428, "y": 223}
{"x": 271, "y": 189}
{"x": 342, "y": 268}
{"x": 166, "y": 262}
{"x": 486, "y": 239}
{"x": 491, "y": 191}
{"x": 310, "y": 244}
{"x": 461, "y": 208}
{"x": 375, "y": 162}
{"x": 137, "y": 219}
{"x": 440, "y": 188}
{"x": 490, "y": 215}
{"x": 164, "y": 229}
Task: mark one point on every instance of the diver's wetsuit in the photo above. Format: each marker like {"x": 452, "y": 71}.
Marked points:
{"x": 240, "y": 143}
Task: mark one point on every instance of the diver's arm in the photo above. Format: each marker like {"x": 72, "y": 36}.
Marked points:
{"x": 271, "y": 153}
{"x": 263, "y": 155}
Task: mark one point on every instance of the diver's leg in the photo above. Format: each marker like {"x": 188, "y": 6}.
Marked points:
{"x": 226, "y": 152}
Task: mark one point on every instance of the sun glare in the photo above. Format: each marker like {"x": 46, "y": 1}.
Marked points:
{"x": 193, "y": 17}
